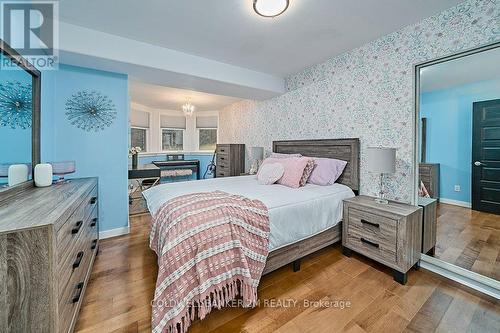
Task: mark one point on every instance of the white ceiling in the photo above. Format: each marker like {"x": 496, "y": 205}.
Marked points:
{"x": 481, "y": 66}
{"x": 165, "y": 98}
{"x": 309, "y": 32}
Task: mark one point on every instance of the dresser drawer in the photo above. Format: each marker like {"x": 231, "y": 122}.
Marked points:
{"x": 71, "y": 295}
{"x": 222, "y": 149}
{"x": 223, "y": 173}
{"x": 372, "y": 235}
{"x": 222, "y": 166}
{"x": 223, "y": 159}
{"x": 67, "y": 237}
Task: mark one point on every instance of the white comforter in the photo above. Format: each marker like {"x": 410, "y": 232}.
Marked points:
{"x": 294, "y": 214}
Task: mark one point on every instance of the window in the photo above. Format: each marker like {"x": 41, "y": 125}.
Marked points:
{"x": 172, "y": 139}
{"x": 207, "y": 138}
{"x": 138, "y": 137}
{"x": 207, "y": 132}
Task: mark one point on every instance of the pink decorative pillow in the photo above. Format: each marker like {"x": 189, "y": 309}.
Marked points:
{"x": 280, "y": 155}
{"x": 326, "y": 171}
{"x": 307, "y": 172}
{"x": 294, "y": 169}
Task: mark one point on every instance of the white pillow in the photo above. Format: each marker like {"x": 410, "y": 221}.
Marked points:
{"x": 270, "y": 173}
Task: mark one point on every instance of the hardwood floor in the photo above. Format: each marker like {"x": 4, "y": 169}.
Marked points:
{"x": 123, "y": 280}
{"x": 469, "y": 239}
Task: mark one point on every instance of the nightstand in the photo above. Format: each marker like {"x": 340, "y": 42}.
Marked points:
{"x": 390, "y": 234}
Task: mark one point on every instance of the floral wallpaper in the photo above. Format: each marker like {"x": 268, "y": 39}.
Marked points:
{"x": 365, "y": 93}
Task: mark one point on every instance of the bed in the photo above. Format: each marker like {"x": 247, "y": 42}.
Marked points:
{"x": 320, "y": 206}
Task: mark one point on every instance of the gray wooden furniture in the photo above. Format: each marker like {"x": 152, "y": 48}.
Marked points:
{"x": 429, "y": 175}
{"x": 390, "y": 234}
{"x": 429, "y": 224}
{"x": 230, "y": 160}
{"x": 48, "y": 241}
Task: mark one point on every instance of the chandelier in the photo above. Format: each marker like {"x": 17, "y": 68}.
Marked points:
{"x": 188, "y": 109}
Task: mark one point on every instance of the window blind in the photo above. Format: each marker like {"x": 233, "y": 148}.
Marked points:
{"x": 168, "y": 121}
{"x": 206, "y": 122}
{"x": 139, "y": 119}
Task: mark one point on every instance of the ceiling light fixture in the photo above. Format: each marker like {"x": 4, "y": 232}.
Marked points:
{"x": 270, "y": 8}
{"x": 188, "y": 109}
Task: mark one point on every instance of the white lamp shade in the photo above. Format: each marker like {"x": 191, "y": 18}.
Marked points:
{"x": 381, "y": 160}
{"x": 257, "y": 153}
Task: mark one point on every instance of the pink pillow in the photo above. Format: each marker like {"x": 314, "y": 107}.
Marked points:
{"x": 294, "y": 169}
{"x": 326, "y": 171}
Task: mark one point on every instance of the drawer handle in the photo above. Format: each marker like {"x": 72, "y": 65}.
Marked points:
{"x": 94, "y": 244}
{"x": 78, "y": 260}
{"x": 376, "y": 225}
{"x": 77, "y": 227}
{"x": 93, "y": 200}
{"x": 94, "y": 222}
{"x": 79, "y": 288}
{"x": 369, "y": 242}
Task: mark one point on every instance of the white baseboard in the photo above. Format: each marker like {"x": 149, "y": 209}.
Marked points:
{"x": 455, "y": 202}
{"x": 468, "y": 278}
{"x": 114, "y": 232}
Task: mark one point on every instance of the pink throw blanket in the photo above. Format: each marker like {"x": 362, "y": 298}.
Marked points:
{"x": 211, "y": 247}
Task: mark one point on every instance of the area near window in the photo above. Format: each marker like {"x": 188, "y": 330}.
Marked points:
{"x": 139, "y": 130}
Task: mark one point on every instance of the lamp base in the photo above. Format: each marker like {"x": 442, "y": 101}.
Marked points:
{"x": 381, "y": 201}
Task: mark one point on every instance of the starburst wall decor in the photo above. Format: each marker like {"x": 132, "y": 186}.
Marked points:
{"x": 90, "y": 110}
{"x": 15, "y": 105}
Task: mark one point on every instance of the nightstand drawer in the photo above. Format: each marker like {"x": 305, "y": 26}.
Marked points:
{"x": 374, "y": 226}
{"x": 371, "y": 246}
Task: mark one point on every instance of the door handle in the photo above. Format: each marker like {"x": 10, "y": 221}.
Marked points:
{"x": 478, "y": 163}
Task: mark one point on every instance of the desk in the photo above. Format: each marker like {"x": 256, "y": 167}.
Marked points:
{"x": 181, "y": 163}
{"x": 144, "y": 171}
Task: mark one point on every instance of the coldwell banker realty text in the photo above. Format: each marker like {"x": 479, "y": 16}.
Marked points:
{"x": 32, "y": 29}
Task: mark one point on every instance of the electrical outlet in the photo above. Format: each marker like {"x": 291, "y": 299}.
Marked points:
{"x": 457, "y": 188}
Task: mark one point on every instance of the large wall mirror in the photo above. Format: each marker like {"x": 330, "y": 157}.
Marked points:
{"x": 458, "y": 163}
{"x": 19, "y": 119}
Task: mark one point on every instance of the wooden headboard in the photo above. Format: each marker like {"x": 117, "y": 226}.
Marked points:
{"x": 341, "y": 149}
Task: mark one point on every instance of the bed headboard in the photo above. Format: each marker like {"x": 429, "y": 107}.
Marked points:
{"x": 341, "y": 149}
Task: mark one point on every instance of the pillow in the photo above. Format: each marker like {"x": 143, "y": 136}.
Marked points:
{"x": 269, "y": 173}
{"x": 326, "y": 171}
{"x": 307, "y": 172}
{"x": 294, "y": 169}
{"x": 280, "y": 155}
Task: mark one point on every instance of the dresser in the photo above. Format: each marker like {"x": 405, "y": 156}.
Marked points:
{"x": 429, "y": 175}
{"x": 230, "y": 160}
{"x": 390, "y": 234}
{"x": 48, "y": 241}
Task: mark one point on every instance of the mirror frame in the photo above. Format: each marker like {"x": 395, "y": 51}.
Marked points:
{"x": 468, "y": 278}
{"x": 36, "y": 77}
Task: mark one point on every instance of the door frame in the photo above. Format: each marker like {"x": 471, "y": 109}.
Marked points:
{"x": 478, "y": 282}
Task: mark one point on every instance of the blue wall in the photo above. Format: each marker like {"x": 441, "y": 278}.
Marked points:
{"x": 449, "y": 133}
{"x": 15, "y": 144}
{"x": 102, "y": 154}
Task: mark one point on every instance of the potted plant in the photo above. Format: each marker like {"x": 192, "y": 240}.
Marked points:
{"x": 134, "y": 152}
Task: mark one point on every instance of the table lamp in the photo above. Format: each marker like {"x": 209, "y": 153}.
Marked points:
{"x": 383, "y": 161}
{"x": 256, "y": 154}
